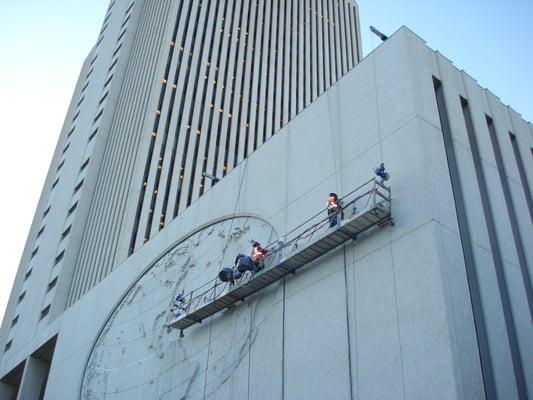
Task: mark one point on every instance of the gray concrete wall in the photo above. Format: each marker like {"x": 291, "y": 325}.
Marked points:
{"x": 389, "y": 316}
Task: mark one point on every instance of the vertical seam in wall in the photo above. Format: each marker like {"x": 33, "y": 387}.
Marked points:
{"x": 348, "y": 335}
{"x": 511, "y": 213}
{"x": 522, "y": 173}
{"x": 397, "y": 313}
{"x": 354, "y": 261}
{"x": 466, "y": 244}
{"x": 496, "y": 252}
{"x": 283, "y": 342}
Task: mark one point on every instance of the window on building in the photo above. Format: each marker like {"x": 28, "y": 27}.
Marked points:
{"x": 98, "y": 116}
{"x": 84, "y": 165}
{"x": 21, "y": 297}
{"x": 28, "y": 274}
{"x": 85, "y": 86}
{"x": 59, "y": 257}
{"x": 92, "y": 135}
{"x": 14, "y": 321}
{"x": 34, "y": 252}
{"x": 71, "y": 131}
{"x": 45, "y": 311}
{"x": 94, "y": 59}
{"x": 55, "y": 182}
{"x": 41, "y": 231}
{"x": 117, "y": 50}
{"x": 81, "y": 101}
{"x": 60, "y": 166}
{"x": 52, "y": 284}
{"x": 47, "y": 211}
{"x": 108, "y": 81}
{"x": 66, "y": 232}
{"x": 113, "y": 65}
{"x": 102, "y": 99}
{"x": 8, "y": 345}
{"x": 66, "y": 148}
{"x": 72, "y": 209}
{"x": 78, "y": 186}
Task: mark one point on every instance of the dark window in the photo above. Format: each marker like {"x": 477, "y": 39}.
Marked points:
{"x": 85, "y": 86}
{"x": 117, "y": 50}
{"x": 103, "y": 98}
{"x": 8, "y": 345}
{"x": 60, "y": 165}
{"x": 121, "y": 35}
{"x": 84, "y": 165}
{"x": 92, "y": 135}
{"x": 66, "y": 148}
{"x": 21, "y": 297}
{"x": 55, "y": 183}
{"x": 129, "y": 7}
{"x": 81, "y": 101}
{"x": 108, "y": 81}
{"x": 59, "y": 257}
{"x": 71, "y": 131}
{"x": 98, "y": 116}
{"x": 41, "y": 231}
{"x": 34, "y": 252}
{"x": 45, "y": 311}
{"x": 78, "y": 186}
{"x": 113, "y": 65}
{"x": 126, "y": 21}
{"x": 94, "y": 59}
{"x": 14, "y": 321}
{"x": 89, "y": 73}
{"x": 52, "y": 284}
{"x": 75, "y": 116}
{"x": 28, "y": 274}
{"x": 72, "y": 209}
{"x": 66, "y": 232}
{"x": 100, "y": 39}
{"x": 47, "y": 211}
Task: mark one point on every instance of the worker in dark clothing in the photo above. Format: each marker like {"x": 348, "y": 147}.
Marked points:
{"x": 258, "y": 256}
{"x": 242, "y": 265}
{"x": 226, "y": 275}
{"x": 381, "y": 173}
{"x": 179, "y": 308}
{"x": 334, "y": 208}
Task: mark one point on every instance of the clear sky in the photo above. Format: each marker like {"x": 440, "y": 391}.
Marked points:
{"x": 43, "y": 45}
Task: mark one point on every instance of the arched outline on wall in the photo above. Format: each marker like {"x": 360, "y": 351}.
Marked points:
{"x": 151, "y": 265}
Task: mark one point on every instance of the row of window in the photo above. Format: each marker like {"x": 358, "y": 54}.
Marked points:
{"x": 239, "y": 31}
{"x": 105, "y": 90}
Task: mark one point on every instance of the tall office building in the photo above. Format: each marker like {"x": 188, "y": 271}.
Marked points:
{"x": 198, "y": 127}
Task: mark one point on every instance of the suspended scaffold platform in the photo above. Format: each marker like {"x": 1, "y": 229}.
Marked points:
{"x": 365, "y": 208}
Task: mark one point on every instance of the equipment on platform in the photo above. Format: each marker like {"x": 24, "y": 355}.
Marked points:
{"x": 365, "y": 208}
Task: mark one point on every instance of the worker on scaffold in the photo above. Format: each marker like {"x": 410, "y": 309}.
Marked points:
{"x": 334, "y": 208}
{"x": 258, "y": 256}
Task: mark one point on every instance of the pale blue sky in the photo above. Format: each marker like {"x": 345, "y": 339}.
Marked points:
{"x": 43, "y": 44}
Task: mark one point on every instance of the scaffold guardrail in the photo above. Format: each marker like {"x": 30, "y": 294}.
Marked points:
{"x": 366, "y": 207}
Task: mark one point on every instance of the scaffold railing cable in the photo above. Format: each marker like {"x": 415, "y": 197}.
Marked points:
{"x": 365, "y": 207}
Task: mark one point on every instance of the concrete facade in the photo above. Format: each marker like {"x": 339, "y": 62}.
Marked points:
{"x": 436, "y": 307}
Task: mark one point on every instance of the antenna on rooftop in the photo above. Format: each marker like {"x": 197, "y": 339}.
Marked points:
{"x": 378, "y": 33}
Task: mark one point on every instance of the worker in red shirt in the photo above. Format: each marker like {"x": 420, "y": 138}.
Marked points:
{"x": 258, "y": 256}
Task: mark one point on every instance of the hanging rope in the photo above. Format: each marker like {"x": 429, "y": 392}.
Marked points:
{"x": 373, "y": 55}
{"x": 233, "y": 215}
